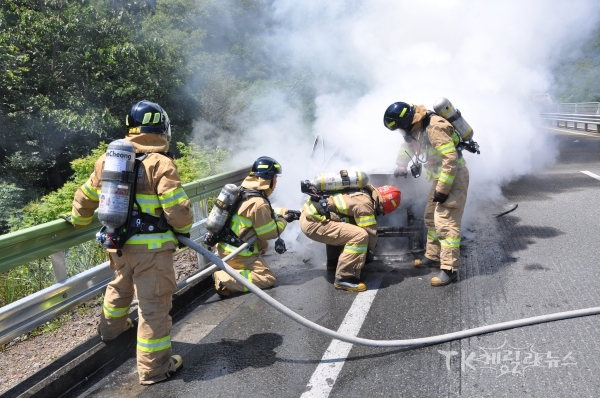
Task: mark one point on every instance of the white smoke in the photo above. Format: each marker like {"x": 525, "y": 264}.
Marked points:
{"x": 486, "y": 57}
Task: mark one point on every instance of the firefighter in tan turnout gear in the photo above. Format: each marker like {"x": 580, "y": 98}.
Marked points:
{"x": 347, "y": 223}
{"x": 254, "y": 216}
{"x": 432, "y": 140}
{"x": 143, "y": 262}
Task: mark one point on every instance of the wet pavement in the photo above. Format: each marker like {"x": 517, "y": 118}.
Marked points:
{"x": 539, "y": 259}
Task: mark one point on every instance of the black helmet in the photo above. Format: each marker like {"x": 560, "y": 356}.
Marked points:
{"x": 148, "y": 117}
{"x": 399, "y": 115}
{"x": 265, "y": 167}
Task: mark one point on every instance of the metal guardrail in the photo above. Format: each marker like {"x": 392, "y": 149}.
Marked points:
{"x": 51, "y": 239}
{"x": 572, "y": 115}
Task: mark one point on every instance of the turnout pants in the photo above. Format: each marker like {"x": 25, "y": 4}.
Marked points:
{"x": 150, "y": 275}
{"x": 253, "y": 268}
{"x": 443, "y": 221}
{"x": 353, "y": 239}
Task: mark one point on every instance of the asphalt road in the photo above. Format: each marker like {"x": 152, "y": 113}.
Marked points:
{"x": 539, "y": 259}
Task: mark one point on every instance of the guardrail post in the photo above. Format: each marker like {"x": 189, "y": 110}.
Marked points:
{"x": 59, "y": 265}
{"x": 200, "y": 212}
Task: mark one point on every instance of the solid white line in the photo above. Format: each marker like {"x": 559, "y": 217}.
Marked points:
{"x": 596, "y": 176}
{"x": 322, "y": 381}
{"x": 593, "y": 135}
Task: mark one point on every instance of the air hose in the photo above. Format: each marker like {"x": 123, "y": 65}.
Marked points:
{"x": 407, "y": 344}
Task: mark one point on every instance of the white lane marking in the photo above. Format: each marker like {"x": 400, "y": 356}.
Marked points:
{"x": 322, "y": 381}
{"x": 593, "y": 135}
{"x": 596, "y": 176}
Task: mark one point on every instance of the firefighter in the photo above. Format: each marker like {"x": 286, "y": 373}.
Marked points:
{"x": 431, "y": 139}
{"x": 144, "y": 265}
{"x": 348, "y": 227}
{"x": 254, "y": 216}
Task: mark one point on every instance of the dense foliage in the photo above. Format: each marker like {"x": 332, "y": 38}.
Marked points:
{"x": 70, "y": 70}
{"x": 577, "y": 76}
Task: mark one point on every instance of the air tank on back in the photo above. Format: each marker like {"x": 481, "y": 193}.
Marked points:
{"x": 340, "y": 181}
{"x": 222, "y": 208}
{"x": 116, "y": 190}
{"x": 443, "y": 107}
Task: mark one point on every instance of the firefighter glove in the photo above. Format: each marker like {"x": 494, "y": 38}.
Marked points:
{"x": 439, "y": 197}
{"x": 292, "y": 215}
{"x": 401, "y": 171}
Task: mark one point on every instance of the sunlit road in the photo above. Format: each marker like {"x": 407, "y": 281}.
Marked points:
{"x": 540, "y": 259}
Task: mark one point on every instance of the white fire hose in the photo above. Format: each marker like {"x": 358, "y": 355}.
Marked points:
{"x": 411, "y": 343}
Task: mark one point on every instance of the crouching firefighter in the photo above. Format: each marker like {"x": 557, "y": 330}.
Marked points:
{"x": 251, "y": 215}
{"x": 341, "y": 212}
{"x": 142, "y": 205}
{"x": 438, "y": 143}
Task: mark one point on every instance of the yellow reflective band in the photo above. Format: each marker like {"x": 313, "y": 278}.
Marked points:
{"x": 445, "y": 149}
{"x": 391, "y": 124}
{"x": 310, "y": 210}
{"x": 450, "y": 242}
{"x": 277, "y": 165}
{"x": 134, "y": 130}
{"x": 114, "y": 312}
{"x": 365, "y": 221}
{"x": 154, "y": 345}
{"x": 156, "y": 118}
{"x": 227, "y": 248}
{"x": 172, "y": 198}
{"x": 355, "y": 249}
{"x": 432, "y": 234}
{"x": 446, "y": 178}
{"x": 90, "y": 192}
{"x": 340, "y": 203}
{"x": 147, "y": 117}
{"x": 403, "y": 112}
{"x": 262, "y": 166}
{"x": 246, "y": 273}
{"x": 77, "y": 220}
{"x": 265, "y": 229}
{"x": 153, "y": 241}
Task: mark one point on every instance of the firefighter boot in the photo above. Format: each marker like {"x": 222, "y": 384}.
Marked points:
{"x": 220, "y": 288}
{"x": 425, "y": 262}
{"x": 370, "y": 257}
{"x": 176, "y": 364}
{"x": 444, "y": 277}
{"x": 128, "y": 326}
{"x": 350, "y": 284}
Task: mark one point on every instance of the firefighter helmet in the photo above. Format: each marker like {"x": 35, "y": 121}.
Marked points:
{"x": 391, "y": 198}
{"x": 265, "y": 167}
{"x": 148, "y": 117}
{"x": 399, "y": 115}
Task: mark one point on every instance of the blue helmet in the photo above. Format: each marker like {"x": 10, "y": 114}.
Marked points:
{"x": 265, "y": 167}
{"x": 399, "y": 115}
{"x": 148, "y": 117}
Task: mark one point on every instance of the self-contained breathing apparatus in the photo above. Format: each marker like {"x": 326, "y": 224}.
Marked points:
{"x": 116, "y": 211}
{"x": 320, "y": 188}
{"x": 444, "y": 108}
{"x": 226, "y": 205}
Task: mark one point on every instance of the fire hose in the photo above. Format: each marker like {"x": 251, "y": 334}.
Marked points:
{"x": 408, "y": 343}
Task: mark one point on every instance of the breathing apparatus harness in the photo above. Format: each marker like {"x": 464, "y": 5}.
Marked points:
{"x": 421, "y": 156}
{"x": 137, "y": 222}
{"x": 228, "y": 236}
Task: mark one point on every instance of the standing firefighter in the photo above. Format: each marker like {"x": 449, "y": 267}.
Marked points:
{"x": 254, "y": 216}
{"x": 347, "y": 223}
{"x": 433, "y": 141}
{"x": 141, "y": 251}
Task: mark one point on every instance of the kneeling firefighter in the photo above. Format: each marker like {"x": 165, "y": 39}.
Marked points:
{"x": 438, "y": 144}
{"x": 341, "y": 212}
{"x": 253, "y": 215}
{"x": 137, "y": 179}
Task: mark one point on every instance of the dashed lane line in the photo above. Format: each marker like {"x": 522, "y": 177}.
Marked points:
{"x": 596, "y": 176}
{"x": 323, "y": 379}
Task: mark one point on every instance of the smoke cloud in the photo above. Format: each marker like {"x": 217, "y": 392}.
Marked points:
{"x": 486, "y": 57}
